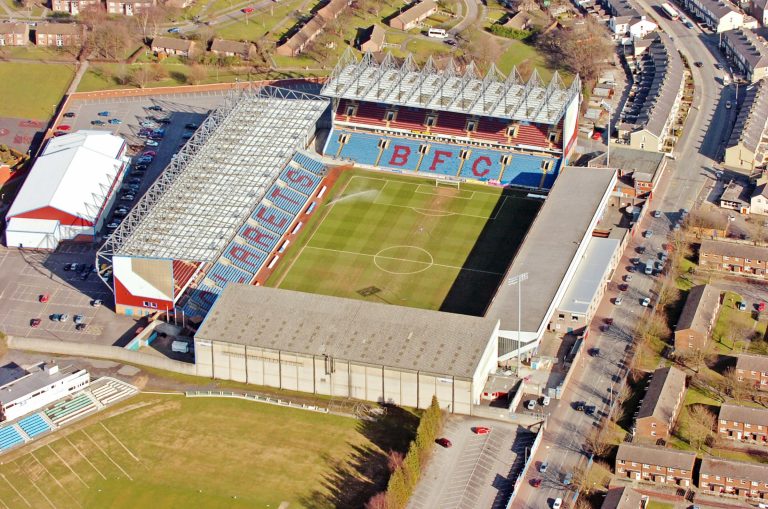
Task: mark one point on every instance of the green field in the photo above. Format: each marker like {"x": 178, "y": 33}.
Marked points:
{"x": 32, "y": 90}
{"x": 173, "y": 451}
{"x": 404, "y": 241}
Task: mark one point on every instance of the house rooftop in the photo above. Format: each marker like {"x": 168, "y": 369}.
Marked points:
{"x": 734, "y": 469}
{"x": 746, "y": 414}
{"x": 663, "y": 394}
{"x": 700, "y": 308}
{"x": 656, "y": 455}
{"x": 733, "y": 249}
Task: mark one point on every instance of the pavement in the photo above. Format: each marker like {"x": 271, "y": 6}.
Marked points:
{"x": 475, "y": 470}
{"x": 696, "y": 154}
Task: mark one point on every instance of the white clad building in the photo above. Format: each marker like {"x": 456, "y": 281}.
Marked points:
{"x": 68, "y": 190}
{"x": 25, "y": 390}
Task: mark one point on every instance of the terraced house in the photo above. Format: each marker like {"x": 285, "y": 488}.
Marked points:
{"x": 748, "y": 52}
{"x": 718, "y": 15}
{"x": 746, "y": 147}
{"x": 733, "y": 257}
{"x": 753, "y": 370}
{"x": 14, "y": 34}
{"x": 745, "y": 424}
{"x": 734, "y": 478}
{"x": 655, "y": 464}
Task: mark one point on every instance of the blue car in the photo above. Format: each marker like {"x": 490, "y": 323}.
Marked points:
{"x": 115, "y": 121}
{"x": 97, "y": 122}
{"x": 103, "y": 113}
{"x": 174, "y": 30}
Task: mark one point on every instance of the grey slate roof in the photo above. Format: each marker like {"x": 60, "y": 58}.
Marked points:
{"x": 14, "y": 28}
{"x": 750, "y": 362}
{"x": 667, "y": 78}
{"x": 662, "y": 395}
{"x": 172, "y": 43}
{"x": 749, "y": 45}
{"x": 550, "y": 246}
{"x": 751, "y": 120}
{"x": 733, "y": 249}
{"x": 622, "y": 498}
{"x": 354, "y": 330}
{"x": 749, "y": 415}
{"x": 699, "y": 310}
{"x": 416, "y": 11}
{"x": 656, "y": 455}
{"x": 734, "y": 469}
{"x": 59, "y": 28}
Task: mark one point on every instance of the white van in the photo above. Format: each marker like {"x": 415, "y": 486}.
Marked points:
{"x": 545, "y": 401}
{"x": 437, "y": 33}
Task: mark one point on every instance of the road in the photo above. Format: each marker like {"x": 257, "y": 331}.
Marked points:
{"x": 696, "y": 152}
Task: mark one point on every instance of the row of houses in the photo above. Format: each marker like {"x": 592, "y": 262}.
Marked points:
{"x": 124, "y": 7}
{"x": 297, "y": 43}
{"x": 733, "y": 257}
{"x": 186, "y": 48}
{"x": 44, "y": 34}
{"x": 649, "y": 115}
{"x": 670, "y": 467}
{"x": 718, "y": 15}
{"x": 626, "y": 23}
{"x": 413, "y": 15}
{"x": 743, "y": 197}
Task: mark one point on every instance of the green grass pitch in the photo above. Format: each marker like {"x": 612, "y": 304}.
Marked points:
{"x": 404, "y": 241}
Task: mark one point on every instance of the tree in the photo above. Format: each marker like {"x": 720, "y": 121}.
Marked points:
{"x": 732, "y": 386}
{"x": 197, "y": 74}
{"x": 159, "y": 72}
{"x": 140, "y": 76}
{"x": 597, "y": 443}
{"x": 700, "y": 425}
{"x": 378, "y": 501}
{"x": 481, "y": 48}
{"x": 583, "y": 49}
{"x": 146, "y": 22}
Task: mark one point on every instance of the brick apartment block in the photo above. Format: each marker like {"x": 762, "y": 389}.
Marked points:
{"x": 655, "y": 464}
{"x": 742, "y": 423}
{"x": 661, "y": 404}
{"x": 753, "y": 370}
{"x": 733, "y": 257}
{"x": 734, "y": 478}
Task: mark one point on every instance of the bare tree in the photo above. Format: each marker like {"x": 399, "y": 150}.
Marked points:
{"x": 146, "y": 22}
{"x": 597, "y": 442}
{"x": 141, "y": 75}
{"x": 700, "y": 425}
{"x": 159, "y": 72}
{"x": 583, "y": 49}
{"x": 197, "y": 74}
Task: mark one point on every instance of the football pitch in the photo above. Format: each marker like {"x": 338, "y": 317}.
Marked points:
{"x": 406, "y": 241}
{"x": 164, "y": 450}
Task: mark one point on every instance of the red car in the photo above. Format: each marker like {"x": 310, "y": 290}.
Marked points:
{"x": 482, "y": 430}
{"x": 444, "y": 442}
{"x": 44, "y": 297}
{"x": 761, "y": 307}
{"x": 150, "y": 153}
{"x": 247, "y": 10}
{"x": 34, "y": 323}
{"x": 597, "y": 136}
{"x": 59, "y": 133}
{"x": 64, "y": 127}
{"x": 536, "y": 482}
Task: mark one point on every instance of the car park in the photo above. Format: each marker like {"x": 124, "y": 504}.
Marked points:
{"x": 44, "y": 297}
{"x": 531, "y": 404}
{"x": 444, "y": 442}
{"x": 114, "y": 121}
{"x": 35, "y": 323}
{"x": 97, "y": 122}
{"x": 103, "y": 113}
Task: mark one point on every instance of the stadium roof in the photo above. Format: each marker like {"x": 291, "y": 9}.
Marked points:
{"x": 207, "y": 191}
{"x": 548, "y": 253}
{"x": 74, "y": 174}
{"x": 349, "y": 329}
{"x": 449, "y": 89}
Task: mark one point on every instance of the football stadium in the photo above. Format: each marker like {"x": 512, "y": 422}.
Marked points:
{"x": 364, "y": 242}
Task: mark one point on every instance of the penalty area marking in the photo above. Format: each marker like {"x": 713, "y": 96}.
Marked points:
{"x": 379, "y": 256}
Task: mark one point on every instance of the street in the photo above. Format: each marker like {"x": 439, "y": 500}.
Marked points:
{"x": 695, "y": 155}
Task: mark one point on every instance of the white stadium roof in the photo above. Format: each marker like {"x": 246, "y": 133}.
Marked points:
{"x": 194, "y": 208}
{"x": 494, "y": 95}
{"x": 74, "y": 174}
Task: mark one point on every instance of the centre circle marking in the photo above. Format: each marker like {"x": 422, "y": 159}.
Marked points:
{"x": 381, "y": 255}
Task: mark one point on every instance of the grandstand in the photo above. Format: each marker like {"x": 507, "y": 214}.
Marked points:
{"x": 219, "y": 210}
{"x": 494, "y": 128}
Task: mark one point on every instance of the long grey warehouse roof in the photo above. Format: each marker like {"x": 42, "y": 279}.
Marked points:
{"x": 207, "y": 191}
{"x": 450, "y": 89}
{"x": 551, "y": 244}
{"x": 751, "y": 121}
{"x": 347, "y": 329}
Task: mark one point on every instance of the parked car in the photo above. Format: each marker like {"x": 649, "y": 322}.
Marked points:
{"x": 78, "y": 319}
{"x": 543, "y": 467}
{"x": 155, "y": 107}
{"x": 761, "y": 307}
{"x": 628, "y": 278}
{"x": 97, "y": 122}
{"x": 192, "y": 125}
{"x": 148, "y": 124}
{"x": 558, "y": 503}
{"x": 55, "y": 317}
{"x": 531, "y": 405}
{"x": 44, "y": 297}
{"x": 618, "y": 301}
{"x": 69, "y": 114}
{"x": 536, "y": 483}
{"x": 63, "y": 317}
{"x": 149, "y": 153}
{"x": 589, "y": 409}
{"x": 80, "y": 327}
{"x": 186, "y": 136}
{"x": 114, "y": 121}
{"x": 646, "y": 302}
{"x": 657, "y": 213}
{"x": 151, "y": 143}
{"x": 128, "y": 197}
{"x": 648, "y": 234}
{"x": 568, "y": 479}
{"x": 113, "y": 225}
{"x": 96, "y": 303}
{"x": 64, "y": 127}
{"x": 594, "y": 352}
{"x": 727, "y": 105}
{"x": 742, "y": 306}
{"x": 623, "y": 287}
{"x": 718, "y": 65}
{"x": 545, "y": 401}
{"x": 482, "y": 430}
{"x": 134, "y": 180}
{"x": 579, "y": 406}
{"x": 698, "y": 64}
{"x": 103, "y": 113}
{"x": 174, "y": 30}
{"x": 597, "y": 136}
{"x": 444, "y": 442}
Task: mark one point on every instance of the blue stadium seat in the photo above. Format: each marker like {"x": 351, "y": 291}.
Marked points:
{"x": 222, "y": 274}
{"x": 287, "y": 199}
{"x": 203, "y": 297}
{"x": 34, "y": 425}
{"x": 309, "y": 164}
{"x": 9, "y": 437}
{"x": 362, "y": 148}
{"x": 442, "y": 159}
{"x": 300, "y": 180}
{"x": 526, "y": 170}
{"x": 332, "y": 144}
{"x": 245, "y": 256}
{"x": 401, "y": 154}
{"x": 259, "y": 237}
{"x": 272, "y": 218}
{"x": 482, "y": 164}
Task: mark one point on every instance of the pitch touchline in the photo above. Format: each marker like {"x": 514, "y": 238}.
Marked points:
{"x": 403, "y": 260}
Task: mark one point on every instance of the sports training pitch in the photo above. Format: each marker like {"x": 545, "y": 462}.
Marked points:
{"x": 406, "y": 241}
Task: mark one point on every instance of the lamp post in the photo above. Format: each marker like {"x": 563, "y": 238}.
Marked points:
{"x": 608, "y": 138}
{"x": 518, "y": 280}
